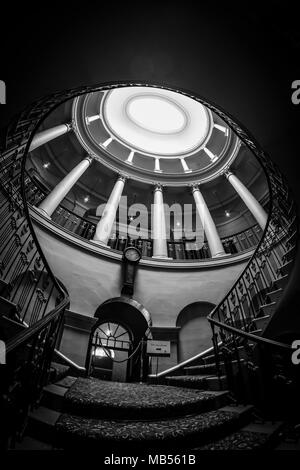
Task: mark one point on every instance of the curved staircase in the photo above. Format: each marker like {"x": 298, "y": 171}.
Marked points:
{"x": 209, "y": 398}
{"x": 140, "y": 418}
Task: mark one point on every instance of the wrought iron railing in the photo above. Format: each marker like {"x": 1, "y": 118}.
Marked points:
{"x": 39, "y": 299}
{"x": 256, "y": 367}
{"x": 32, "y": 301}
{"x": 73, "y": 222}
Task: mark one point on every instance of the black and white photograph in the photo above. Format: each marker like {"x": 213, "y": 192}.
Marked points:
{"x": 149, "y": 231}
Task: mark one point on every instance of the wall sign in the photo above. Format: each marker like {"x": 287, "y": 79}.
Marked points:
{"x": 158, "y": 348}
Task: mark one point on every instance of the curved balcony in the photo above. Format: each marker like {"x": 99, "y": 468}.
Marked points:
{"x": 178, "y": 250}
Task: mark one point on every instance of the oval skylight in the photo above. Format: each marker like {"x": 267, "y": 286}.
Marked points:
{"x": 155, "y": 121}
{"x": 156, "y": 114}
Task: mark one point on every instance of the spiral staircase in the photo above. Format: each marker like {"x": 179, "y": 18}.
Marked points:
{"x": 245, "y": 370}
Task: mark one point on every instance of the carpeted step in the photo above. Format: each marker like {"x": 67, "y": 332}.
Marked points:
{"x": 251, "y": 437}
{"x": 72, "y": 430}
{"x": 99, "y": 398}
{"x": 200, "y": 382}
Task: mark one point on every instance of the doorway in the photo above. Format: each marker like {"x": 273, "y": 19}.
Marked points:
{"x": 116, "y": 346}
{"x": 195, "y": 333}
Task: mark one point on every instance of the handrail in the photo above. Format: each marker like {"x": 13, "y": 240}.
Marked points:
{"x": 255, "y": 338}
{"x": 253, "y": 257}
{"x": 182, "y": 364}
{"x": 27, "y": 333}
{"x": 69, "y": 361}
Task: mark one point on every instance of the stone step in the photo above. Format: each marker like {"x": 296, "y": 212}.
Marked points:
{"x": 280, "y": 282}
{"x": 9, "y": 328}
{"x": 292, "y": 238}
{"x": 8, "y": 308}
{"x": 285, "y": 268}
{"x": 30, "y": 443}
{"x": 66, "y": 382}
{"x": 209, "y": 369}
{"x": 184, "y": 432}
{"x": 58, "y": 371}
{"x": 289, "y": 254}
{"x": 199, "y": 382}
{"x": 4, "y": 289}
{"x": 211, "y": 358}
{"x": 261, "y": 322}
{"x": 205, "y": 369}
{"x": 41, "y": 423}
{"x": 267, "y": 309}
{"x": 275, "y": 295}
{"x": 256, "y": 332}
{"x": 53, "y": 397}
{"x": 293, "y": 220}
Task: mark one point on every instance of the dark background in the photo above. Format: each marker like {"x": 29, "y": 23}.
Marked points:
{"x": 242, "y": 56}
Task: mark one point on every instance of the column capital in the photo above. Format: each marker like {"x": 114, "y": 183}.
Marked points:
{"x": 194, "y": 187}
{"x": 122, "y": 177}
{"x": 158, "y": 187}
{"x": 89, "y": 158}
{"x": 227, "y": 172}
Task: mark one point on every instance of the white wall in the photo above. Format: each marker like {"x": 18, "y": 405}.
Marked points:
{"x": 91, "y": 279}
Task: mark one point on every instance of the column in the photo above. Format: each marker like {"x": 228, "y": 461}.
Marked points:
{"x": 213, "y": 239}
{"x": 253, "y": 205}
{"x": 51, "y": 202}
{"x": 160, "y": 249}
{"x": 43, "y": 137}
{"x": 105, "y": 225}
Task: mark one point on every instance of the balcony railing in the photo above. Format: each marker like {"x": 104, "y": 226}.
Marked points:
{"x": 183, "y": 249}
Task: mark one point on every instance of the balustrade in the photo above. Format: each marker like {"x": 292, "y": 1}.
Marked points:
{"x": 184, "y": 249}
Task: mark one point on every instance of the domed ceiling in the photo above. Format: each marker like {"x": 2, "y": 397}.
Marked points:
{"x": 102, "y": 133}
{"x": 154, "y": 134}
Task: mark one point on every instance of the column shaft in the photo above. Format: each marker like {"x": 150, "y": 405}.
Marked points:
{"x": 213, "y": 239}
{"x": 105, "y": 225}
{"x": 253, "y": 205}
{"x": 45, "y": 136}
{"x": 50, "y": 203}
{"x": 160, "y": 249}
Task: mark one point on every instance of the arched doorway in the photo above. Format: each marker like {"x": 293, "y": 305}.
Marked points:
{"x": 115, "y": 349}
{"x": 195, "y": 332}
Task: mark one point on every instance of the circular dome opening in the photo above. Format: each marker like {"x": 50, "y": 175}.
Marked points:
{"x": 155, "y": 122}
{"x": 156, "y": 114}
